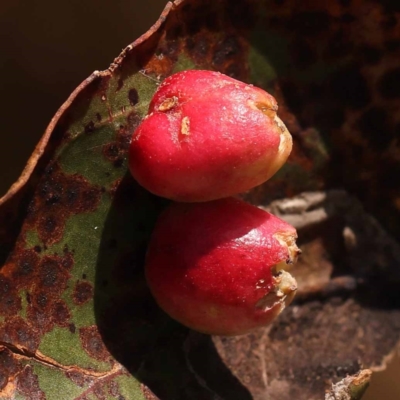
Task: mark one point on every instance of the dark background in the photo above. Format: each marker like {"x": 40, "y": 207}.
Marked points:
{"x": 47, "y": 48}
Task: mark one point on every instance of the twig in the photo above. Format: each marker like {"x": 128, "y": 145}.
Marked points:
{"x": 350, "y": 388}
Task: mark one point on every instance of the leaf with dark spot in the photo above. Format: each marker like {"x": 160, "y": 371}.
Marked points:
{"x": 76, "y": 315}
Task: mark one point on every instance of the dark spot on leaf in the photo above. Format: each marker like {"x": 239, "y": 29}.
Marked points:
{"x": 25, "y": 265}
{"x": 349, "y": 87}
{"x": 79, "y": 378}
{"x": 116, "y": 151}
{"x": 38, "y": 249}
{"x": 89, "y": 127}
{"x": 50, "y": 224}
{"x": 72, "y": 327}
{"x": 10, "y": 301}
{"x": 19, "y": 333}
{"x": 49, "y": 228}
{"x": 83, "y": 276}
{"x": 40, "y": 317}
{"x": 118, "y": 162}
{"x": 226, "y": 49}
{"x": 66, "y": 137}
{"x": 28, "y": 384}
{"x": 198, "y": 47}
{"x": 52, "y": 276}
{"x": 98, "y": 391}
{"x": 133, "y": 97}
{"x": 67, "y": 260}
{"x": 93, "y": 344}
{"x": 53, "y": 198}
{"x": 41, "y": 300}
{"x": 89, "y": 200}
{"x": 98, "y": 116}
{"x": 111, "y": 151}
{"x": 171, "y": 50}
{"x": 124, "y": 136}
{"x": 61, "y": 314}
{"x": 58, "y": 197}
{"x": 389, "y": 84}
{"x": 113, "y": 389}
{"x": 45, "y": 309}
{"x": 133, "y": 121}
{"x": 83, "y": 292}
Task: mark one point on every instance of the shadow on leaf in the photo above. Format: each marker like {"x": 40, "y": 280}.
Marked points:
{"x": 154, "y": 348}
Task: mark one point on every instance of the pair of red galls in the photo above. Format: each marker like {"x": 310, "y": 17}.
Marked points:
{"x": 214, "y": 263}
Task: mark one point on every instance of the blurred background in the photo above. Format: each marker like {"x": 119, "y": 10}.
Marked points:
{"x": 47, "y": 48}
